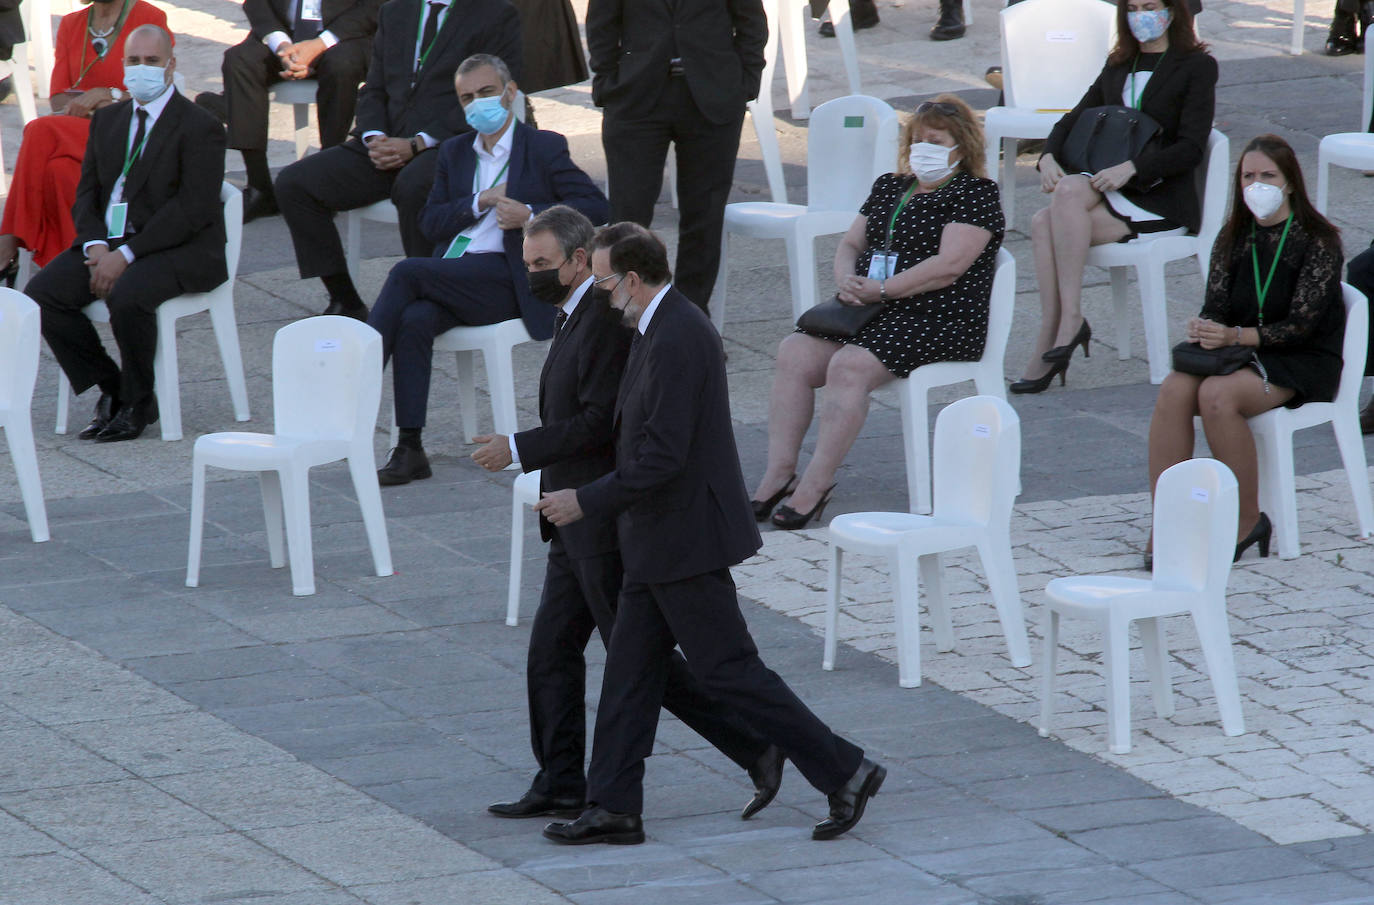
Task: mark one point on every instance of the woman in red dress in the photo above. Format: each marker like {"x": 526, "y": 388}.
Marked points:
{"x": 88, "y": 75}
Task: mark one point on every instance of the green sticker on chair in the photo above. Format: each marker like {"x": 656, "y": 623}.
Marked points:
{"x": 853, "y": 122}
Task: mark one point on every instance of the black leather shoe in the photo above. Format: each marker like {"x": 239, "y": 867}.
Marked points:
{"x": 6, "y": 87}
{"x": 598, "y": 825}
{"x": 128, "y": 423}
{"x": 351, "y": 309}
{"x": 827, "y": 29}
{"x": 767, "y": 777}
{"x": 847, "y": 805}
{"x": 105, "y": 408}
{"x": 532, "y": 804}
{"x": 1367, "y": 418}
{"x": 257, "y": 203}
{"x": 405, "y": 465}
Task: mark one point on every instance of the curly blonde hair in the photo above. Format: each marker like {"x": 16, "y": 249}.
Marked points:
{"x": 962, "y": 126}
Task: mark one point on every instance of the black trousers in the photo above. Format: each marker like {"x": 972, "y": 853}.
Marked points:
{"x": 63, "y": 288}
{"x": 250, "y": 68}
{"x": 580, "y": 595}
{"x": 312, "y": 190}
{"x": 636, "y": 150}
{"x": 702, "y": 616}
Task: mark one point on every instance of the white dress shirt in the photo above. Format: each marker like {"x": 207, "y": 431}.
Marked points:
{"x": 567, "y": 308}
{"x": 652, "y": 309}
{"x": 154, "y": 108}
{"x": 485, "y": 234}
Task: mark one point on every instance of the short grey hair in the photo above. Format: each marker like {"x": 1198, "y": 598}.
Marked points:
{"x": 478, "y": 60}
{"x": 570, "y": 228}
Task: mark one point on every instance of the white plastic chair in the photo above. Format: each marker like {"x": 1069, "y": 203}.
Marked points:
{"x": 219, "y": 302}
{"x": 850, "y": 142}
{"x": 1149, "y": 253}
{"x": 1353, "y": 150}
{"x": 300, "y": 94}
{"x": 378, "y": 212}
{"x": 19, "y": 341}
{"x": 789, "y": 18}
{"x": 761, "y": 115}
{"x": 1077, "y": 36}
{"x": 1195, "y": 515}
{"x": 326, "y": 387}
{"x": 977, "y": 463}
{"x": 1274, "y": 431}
{"x": 37, "y": 16}
{"x": 524, "y": 493}
{"x": 987, "y": 374}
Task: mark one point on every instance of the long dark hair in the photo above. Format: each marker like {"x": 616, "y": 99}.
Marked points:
{"x": 1238, "y": 225}
{"x": 1182, "y": 39}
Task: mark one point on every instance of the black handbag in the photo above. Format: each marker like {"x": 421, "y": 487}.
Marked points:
{"x": 1103, "y": 137}
{"x": 1191, "y": 358}
{"x": 835, "y": 318}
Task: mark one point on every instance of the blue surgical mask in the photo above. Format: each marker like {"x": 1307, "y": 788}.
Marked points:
{"x": 1147, "y": 25}
{"x": 486, "y": 114}
{"x": 145, "y": 83}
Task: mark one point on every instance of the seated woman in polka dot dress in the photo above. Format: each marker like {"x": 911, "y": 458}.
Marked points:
{"x": 924, "y": 247}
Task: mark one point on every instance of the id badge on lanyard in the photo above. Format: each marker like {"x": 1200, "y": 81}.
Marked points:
{"x": 118, "y": 220}
{"x": 311, "y": 10}
{"x": 882, "y": 266}
{"x": 461, "y": 241}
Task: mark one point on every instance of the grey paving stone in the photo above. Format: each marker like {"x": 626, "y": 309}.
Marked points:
{"x": 171, "y": 744}
{"x": 129, "y": 810}
{"x": 1099, "y": 883}
{"x": 437, "y": 760}
{"x": 1318, "y": 889}
{"x": 725, "y": 892}
{"x": 1244, "y": 866}
{"x": 571, "y": 870}
{"x": 261, "y": 688}
{"x": 1348, "y": 853}
{"x": 1151, "y": 841}
{"x": 47, "y": 879}
{"x": 492, "y": 887}
{"x": 19, "y": 838}
{"x": 953, "y": 833}
{"x": 37, "y": 759}
{"x": 1097, "y": 783}
{"x": 851, "y": 881}
{"x": 333, "y": 742}
{"x": 50, "y": 592}
{"x": 1047, "y": 853}
{"x": 1121, "y": 812}
{"x": 343, "y": 710}
{"x": 288, "y": 794}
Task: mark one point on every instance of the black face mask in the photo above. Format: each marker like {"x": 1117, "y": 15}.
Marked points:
{"x": 601, "y": 296}
{"x": 545, "y": 286}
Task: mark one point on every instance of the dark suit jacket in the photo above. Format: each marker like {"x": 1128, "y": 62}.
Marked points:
{"x": 541, "y": 175}
{"x": 388, "y": 103}
{"x": 577, "y": 391}
{"x": 681, "y": 505}
{"x": 1181, "y": 96}
{"x": 345, "y": 18}
{"x": 720, "y": 43}
{"x": 172, "y": 189}
{"x": 11, "y": 28}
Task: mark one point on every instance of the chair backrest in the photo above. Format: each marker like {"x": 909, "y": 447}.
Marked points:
{"x": 327, "y": 379}
{"x": 232, "y": 199}
{"x": 1214, "y": 184}
{"x": 1001, "y": 307}
{"x": 18, "y": 349}
{"x": 849, "y": 130}
{"x": 1355, "y": 346}
{"x": 1076, "y": 35}
{"x": 1367, "y": 95}
{"x": 977, "y": 460}
{"x": 1195, "y": 516}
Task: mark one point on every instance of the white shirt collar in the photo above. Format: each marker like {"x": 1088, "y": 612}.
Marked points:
{"x": 652, "y": 308}
{"x": 500, "y": 150}
{"x": 571, "y": 304}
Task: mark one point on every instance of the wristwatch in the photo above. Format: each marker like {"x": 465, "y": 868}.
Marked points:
{"x": 882, "y": 290}
{"x": 116, "y": 94}
{"x": 416, "y": 146}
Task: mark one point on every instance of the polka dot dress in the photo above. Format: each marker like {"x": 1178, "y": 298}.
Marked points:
{"x": 949, "y": 324}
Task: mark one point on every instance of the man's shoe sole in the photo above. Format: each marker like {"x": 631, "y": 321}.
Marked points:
{"x": 606, "y": 839}
{"x": 870, "y": 789}
{"x": 569, "y": 813}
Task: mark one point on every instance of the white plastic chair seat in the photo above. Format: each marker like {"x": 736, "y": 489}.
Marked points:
{"x": 770, "y": 220}
{"x": 300, "y": 94}
{"x": 525, "y": 492}
{"x": 380, "y": 212}
{"x": 1003, "y": 127}
{"x": 1352, "y": 150}
{"x": 1090, "y": 595}
{"x": 250, "y": 451}
{"x": 875, "y": 533}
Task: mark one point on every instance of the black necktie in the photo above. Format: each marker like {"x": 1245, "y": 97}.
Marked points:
{"x": 559, "y": 321}
{"x": 431, "y": 26}
{"x": 137, "y": 148}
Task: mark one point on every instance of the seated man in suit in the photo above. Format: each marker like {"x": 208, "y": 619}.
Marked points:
{"x": 149, "y": 227}
{"x": 405, "y": 109}
{"x": 326, "y": 40}
{"x": 488, "y": 185}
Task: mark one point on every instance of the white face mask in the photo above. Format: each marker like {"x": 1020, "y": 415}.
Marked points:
{"x": 145, "y": 83}
{"x": 930, "y": 162}
{"x": 1263, "y": 199}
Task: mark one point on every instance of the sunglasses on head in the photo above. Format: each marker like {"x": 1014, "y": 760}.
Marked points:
{"x": 938, "y": 107}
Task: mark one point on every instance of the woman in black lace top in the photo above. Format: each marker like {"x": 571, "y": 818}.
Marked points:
{"x": 1274, "y": 286}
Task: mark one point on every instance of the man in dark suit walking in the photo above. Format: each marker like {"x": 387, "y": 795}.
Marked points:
{"x": 149, "y": 227}
{"x": 487, "y": 186}
{"x": 406, "y": 108}
{"x": 573, "y": 447}
{"x": 684, "y": 518}
{"x": 326, "y": 40}
{"x": 677, "y": 71}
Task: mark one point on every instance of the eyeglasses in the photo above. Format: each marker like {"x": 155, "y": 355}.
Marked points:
{"x": 939, "y": 107}
{"x": 608, "y": 277}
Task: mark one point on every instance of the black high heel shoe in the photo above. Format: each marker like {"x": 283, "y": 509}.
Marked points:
{"x": 10, "y": 273}
{"x": 1042, "y": 383}
{"x": 1261, "y": 534}
{"x": 1064, "y": 353}
{"x": 764, "y": 508}
{"x": 789, "y": 519}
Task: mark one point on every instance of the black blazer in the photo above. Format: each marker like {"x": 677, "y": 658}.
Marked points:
{"x": 388, "y": 102}
{"x": 172, "y": 189}
{"x": 345, "y": 18}
{"x": 677, "y": 491}
{"x": 720, "y": 43}
{"x": 1181, "y": 96}
{"x": 11, "y": 28}
{"x": 541, "y": 174}
{"x": 577, "y": 392}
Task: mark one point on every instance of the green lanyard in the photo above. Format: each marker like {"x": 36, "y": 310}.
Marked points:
{"x": 477, "y": 172}
{"x": 1262, "y": 289}
{"x": 132, "y": 154}
{"x": 1135, "y": 92}
{"x": 114, "y": 34}
{"x": 892, "y": 221}
{"x": 420, "y": 33}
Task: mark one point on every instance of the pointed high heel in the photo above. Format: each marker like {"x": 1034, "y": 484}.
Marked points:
{"x": 1261, "y": 534}
{"x": 1064, "y": 353}
{"x": 764, "y": 508}
{"x": 1042, "y": 383}
{"x": 789, "y": 519}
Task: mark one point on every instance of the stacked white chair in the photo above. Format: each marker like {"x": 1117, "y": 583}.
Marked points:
{"x": 19, "y": 342}
{"x": 326, "y": 388}
{"x": 1353, "y": 150}
{"x": 525, "y": 492}
{"x": 788, "y": 19}
{"x": 300, "y": 94}
{"x": 977, "y": 466}
{"x": 1195, "y": 514}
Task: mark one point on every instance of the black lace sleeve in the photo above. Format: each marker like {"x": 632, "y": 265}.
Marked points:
{"x": 1216, "y": 305}
{"x": 1318, "y": 288}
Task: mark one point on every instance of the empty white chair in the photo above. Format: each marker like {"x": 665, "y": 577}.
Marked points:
{"x": 977, "y": 463}
{"x": 761, "y": 115}
{"x": 219, "y": 302}
{"x": 37, "y": 16}
{"x": 1150, "y": 252}
{"x": 300, "y": 94}
{"x": 788, "y": 18}
{"x": 1274, "y": 431}
{"x": 378, "y": 212}
{"x": 19, "y": 341}
{"x": 326, "y": 387}
{"x": 1353, "y": 150}
{"x": 850, "y": 142}
{"x": 524, "y": 493}
{"x": 987, "y": 374}
{"x": 1076, "y": 35}
{"x": 1194, "y": 539}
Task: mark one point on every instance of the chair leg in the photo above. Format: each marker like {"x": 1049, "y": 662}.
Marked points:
{"x": 501, "y": 385}
{"x": 353, "y": 243}
{"x": 227, "y": 338}
{"x": 844, "y": 36}
{"x": 907, "y": 610}
{"x": 792, "y": 30}
{"x": 467, "y": 392}
{"x": 302, "y": 113}
{"x": 269, "y": 484}
{"x": 19, "y": 432}
{"x": 363, "y": 468}
{"x": 295, "y": 487}
{"x": 1154, "y": 308}
{"x": 1348, "y": 438}
{"x": 1323, "y": 180}
{"x": 916, "y": 443}
{"x": 1008, "y": 181}
{"x": 1215, "y": 636}
{"x": 932, "y": 571}
{"x": 1121, "y": 311}
{"x": 761, "y": 115}
{"x": 722, "y": 279}
{"x": 64, "y": 398}
{"x": 1051, "y": 629}
{"x": 1156, "y": 649}
{"x": 1000, "y": 569}
{"x": 832, "y": 610}
{"x": 197, "y": 522}
{"x": 801, "y": 256}
{"x": 167, "y": 377}
{"x": 1276, "y": 472}
{"x": 1116, "y": 665}
{"x": 517, "y": 559}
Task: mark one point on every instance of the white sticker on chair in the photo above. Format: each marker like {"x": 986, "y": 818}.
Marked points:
{"x": 1061, "y": 37}
{"x": 982, "y": 430}
{"x": 326, "y": 345}
{"x": 1199, "y": 494}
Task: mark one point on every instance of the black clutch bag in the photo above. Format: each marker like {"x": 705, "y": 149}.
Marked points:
{"x": 1103, "y": 137}
{"x": 835, "y": 318}
{"x": 1191, "y": 358}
